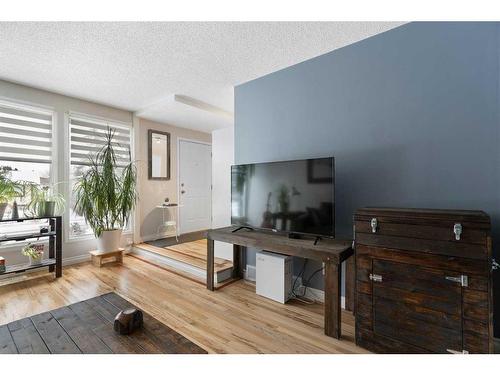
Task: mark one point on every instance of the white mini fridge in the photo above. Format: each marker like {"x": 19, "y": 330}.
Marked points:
{"x": 274, "y": 276}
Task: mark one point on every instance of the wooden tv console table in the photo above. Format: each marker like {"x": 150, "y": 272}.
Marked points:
{"x": 331, "y": 252}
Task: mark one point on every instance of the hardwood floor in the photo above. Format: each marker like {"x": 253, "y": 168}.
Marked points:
{"x": 193, "y": 253}
{"x": 88, "y": 327}
{"x": 232, "y": 319}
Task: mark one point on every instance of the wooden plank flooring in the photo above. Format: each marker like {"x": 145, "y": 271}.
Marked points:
{"x": 193, "y": 253}
{"x": 87, "y": 327}
{"x": 26, "y": 337}
{"x": 185, "y": 237}
{"x": 231, "y": 320}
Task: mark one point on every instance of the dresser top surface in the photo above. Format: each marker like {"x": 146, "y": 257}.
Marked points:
{"x": 425, "y": 213}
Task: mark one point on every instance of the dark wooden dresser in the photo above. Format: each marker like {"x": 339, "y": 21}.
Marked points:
{"x": 423, "y": 281}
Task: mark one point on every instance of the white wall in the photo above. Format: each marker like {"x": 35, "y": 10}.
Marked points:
{"x": 61, "y": 105}
{"x": 222, "y": 159}
{"x": 153, "y": 192}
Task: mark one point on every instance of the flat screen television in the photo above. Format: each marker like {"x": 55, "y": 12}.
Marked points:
{"x": 296, "y": 196}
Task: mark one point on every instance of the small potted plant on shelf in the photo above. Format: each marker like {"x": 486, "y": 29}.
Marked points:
{"x": 44, "y": 201}
{"x": 34, "y": 253}
{"x": 105, "y": 193}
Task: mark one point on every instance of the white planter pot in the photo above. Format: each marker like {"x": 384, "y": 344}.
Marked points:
{"x": 109, "y": 240}
{"x": 35, "y": 261}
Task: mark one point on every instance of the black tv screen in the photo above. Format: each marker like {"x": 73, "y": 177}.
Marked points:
{"x": 295, "y": 196}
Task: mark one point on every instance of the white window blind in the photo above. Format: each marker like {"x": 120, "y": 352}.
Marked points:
{"x": 25, "y": 135}
{"x": 87, "y": 136}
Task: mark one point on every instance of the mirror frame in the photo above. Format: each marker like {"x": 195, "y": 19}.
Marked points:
{"x": 150, "y": 154}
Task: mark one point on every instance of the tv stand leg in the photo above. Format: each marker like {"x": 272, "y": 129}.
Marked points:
{"x": 238, "y": 261}
{"x": 210, "y": 264}
{"x": 332, "y": 299}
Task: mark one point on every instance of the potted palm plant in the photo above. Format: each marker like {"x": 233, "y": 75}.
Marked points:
{"x": 105, "y": 194}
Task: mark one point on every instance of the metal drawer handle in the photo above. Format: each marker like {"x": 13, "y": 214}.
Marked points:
{"x": 463, "y": 280}
{"x": 374, "y": 224}
{"x": 457, "y": 351}
{"x": 457, "y": 229}
{"x": 376, "y": 278}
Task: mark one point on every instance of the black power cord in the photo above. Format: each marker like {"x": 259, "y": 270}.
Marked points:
{"x": 301, "y": 273}
{"x": 306, "y": 283}
{"x": 309, "y": 280}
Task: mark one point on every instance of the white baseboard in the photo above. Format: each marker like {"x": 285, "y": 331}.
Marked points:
{"x": 249, "y": 273}
{"x": 313, "y": 294}
{"x": 76, "y": 259}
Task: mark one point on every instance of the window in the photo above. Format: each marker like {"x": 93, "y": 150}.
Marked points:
{"x": 86, "y": 138}
{"x": 26, "y": 153}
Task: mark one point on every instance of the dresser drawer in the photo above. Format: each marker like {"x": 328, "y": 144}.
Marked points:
{"x": 456, "y": 235}
{"x": 386, "y": 227}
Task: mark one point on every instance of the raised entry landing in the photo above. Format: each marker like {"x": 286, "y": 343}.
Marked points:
{"x": 189, "y": 259}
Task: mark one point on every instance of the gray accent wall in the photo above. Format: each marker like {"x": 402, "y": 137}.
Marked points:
{"x": 411, "y": 116}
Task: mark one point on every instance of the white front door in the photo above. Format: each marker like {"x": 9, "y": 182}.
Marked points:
{"x": 195, "y": 186}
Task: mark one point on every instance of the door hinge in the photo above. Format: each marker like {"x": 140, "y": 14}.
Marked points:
{"x": 463, "y": 280}
{"x": 376, "y": 278}
{"x": 457, "y": 351}
{"x": 374, "y": 224}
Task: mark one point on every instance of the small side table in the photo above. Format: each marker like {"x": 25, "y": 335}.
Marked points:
{"x": 168, "y": 223}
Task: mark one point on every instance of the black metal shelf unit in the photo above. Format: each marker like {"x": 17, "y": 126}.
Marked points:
{"x": 54, "y": 261}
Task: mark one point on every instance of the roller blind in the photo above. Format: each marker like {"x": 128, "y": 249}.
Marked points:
{"x": 87, "y": 136}
{"x": 25, "y": 135}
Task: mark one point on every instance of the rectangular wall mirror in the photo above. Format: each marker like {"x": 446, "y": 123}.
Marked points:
{"x": 158, "y": 155}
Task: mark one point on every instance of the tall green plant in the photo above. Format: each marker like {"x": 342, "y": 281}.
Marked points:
{"x": 104, "y": 195}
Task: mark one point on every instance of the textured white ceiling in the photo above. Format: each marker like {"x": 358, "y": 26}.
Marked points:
{"x": 139, "y": 66}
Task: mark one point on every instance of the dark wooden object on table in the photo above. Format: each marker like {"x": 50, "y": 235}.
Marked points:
{"x": 54, "y": 261}
{"x": 423, "y": 281}
{"x": 331, "y": 252}
{"x": 127, "y": 321}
